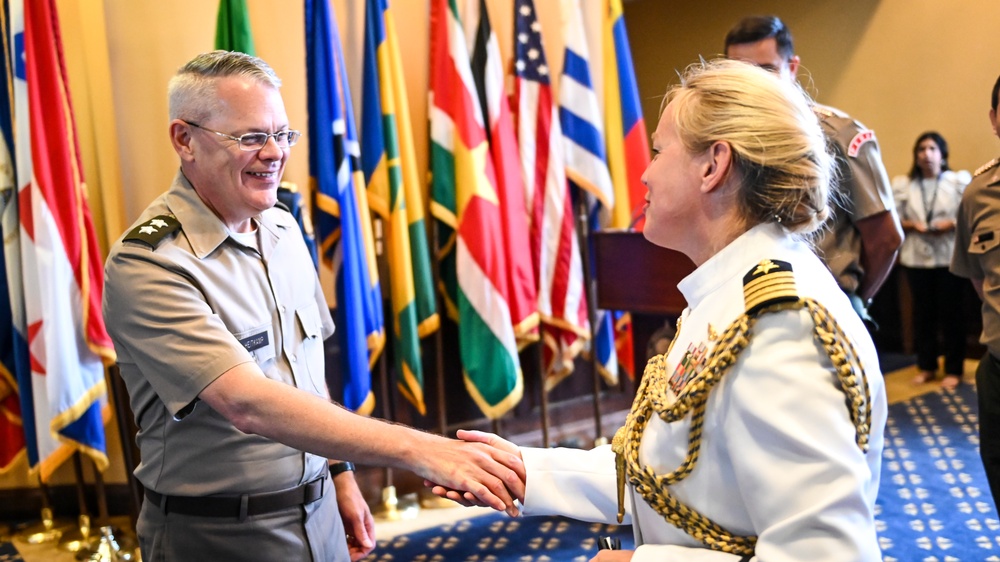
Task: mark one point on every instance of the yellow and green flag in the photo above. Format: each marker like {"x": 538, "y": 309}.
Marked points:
{"x": 394, "y": 194}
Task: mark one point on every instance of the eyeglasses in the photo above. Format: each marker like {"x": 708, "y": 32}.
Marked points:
{"x": 255, "y": 141}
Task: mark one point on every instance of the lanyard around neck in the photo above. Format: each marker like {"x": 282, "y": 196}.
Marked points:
{"x": 928, "y": 207}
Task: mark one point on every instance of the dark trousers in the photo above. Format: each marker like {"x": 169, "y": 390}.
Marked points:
{"x": 938, "y": 318}
{"x": 988, "y": 389}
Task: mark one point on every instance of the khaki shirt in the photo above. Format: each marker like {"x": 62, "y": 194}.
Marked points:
{"x": 185, "y": 310}
{"x": 977, "y": 246}
{"x": 863, "y": 190}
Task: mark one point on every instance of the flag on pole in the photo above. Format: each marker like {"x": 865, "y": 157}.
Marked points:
{"x": 232, "y": 27}
{"x": 554, "y": 244}
{"x": 628, "y": 144}
{"x": 13, "y": 348}
{"x": 628, "y": 149}
{"x": 467, "y": 207}
{"x": 586, "y": 161}
{"x": 389, "y": 164}
{"x": 488, "y": 74}
{"x": 64, "y": 397}
{"x": 343, "y": 220}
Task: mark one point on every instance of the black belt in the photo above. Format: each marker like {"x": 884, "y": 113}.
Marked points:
{"x": 240, "y": 507}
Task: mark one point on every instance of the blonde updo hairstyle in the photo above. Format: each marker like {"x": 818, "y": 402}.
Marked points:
{"x": 780, "y": 154}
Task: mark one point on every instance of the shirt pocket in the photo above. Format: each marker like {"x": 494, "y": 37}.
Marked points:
{"x": 311, "y": 330}
{"x": 259, "y": 341}
{"x": 984, "y": 241}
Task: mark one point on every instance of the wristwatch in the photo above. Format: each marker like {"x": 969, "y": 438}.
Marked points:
{"x": 339, "y": 467}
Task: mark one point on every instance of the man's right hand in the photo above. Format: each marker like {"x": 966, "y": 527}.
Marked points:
{"x": 501, "y": 450}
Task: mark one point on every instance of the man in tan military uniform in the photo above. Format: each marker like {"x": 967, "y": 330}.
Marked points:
{"x": 977, "y": 257}
{"x": 861, "y": 243}
{"x": 218, "y": 320}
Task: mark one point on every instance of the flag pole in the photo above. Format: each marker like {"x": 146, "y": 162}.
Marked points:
{"x": 390, "y": 508}
{"x": 439, "y": 335}
{"x": 79, "y": 539}
{"x": 49, "y": 529}
{"x": 544, "y": 414}
{"x": 584, "y": 229}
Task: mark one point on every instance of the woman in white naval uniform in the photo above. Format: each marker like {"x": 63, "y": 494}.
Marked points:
{"x": 758, "y": 435}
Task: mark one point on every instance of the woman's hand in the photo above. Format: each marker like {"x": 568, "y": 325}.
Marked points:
{"x": 613, "y": 556}
{"x": 940, "y": 226}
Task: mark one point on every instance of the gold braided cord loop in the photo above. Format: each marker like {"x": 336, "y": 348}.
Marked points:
{"x": 654, "y": 397}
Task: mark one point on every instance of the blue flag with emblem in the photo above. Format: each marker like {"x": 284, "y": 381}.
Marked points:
{"x": 343, "y": 222}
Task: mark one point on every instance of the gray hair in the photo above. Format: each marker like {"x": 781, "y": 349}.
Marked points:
{"x": 191, "y": 92}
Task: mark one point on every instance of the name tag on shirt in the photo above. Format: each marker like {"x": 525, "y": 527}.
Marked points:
{"x": 256, "y": 341}
{"x": 259, "y": 342}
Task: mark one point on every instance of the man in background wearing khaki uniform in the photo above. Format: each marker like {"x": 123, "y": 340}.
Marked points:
{"x": 861, "y": 242}
{"x": 977, "y": 257}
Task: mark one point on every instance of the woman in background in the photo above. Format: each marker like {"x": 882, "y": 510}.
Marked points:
{"x": 927, "y": 201}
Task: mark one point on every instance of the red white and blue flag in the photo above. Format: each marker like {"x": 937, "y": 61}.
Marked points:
{"x": 60, "y": 281}
{"x": 555, "y": 247}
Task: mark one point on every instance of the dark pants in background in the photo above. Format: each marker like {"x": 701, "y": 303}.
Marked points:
{"x": 938, "y": 318}
{"x": 988, "y": 388}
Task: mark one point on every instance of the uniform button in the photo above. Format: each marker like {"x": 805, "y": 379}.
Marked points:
{"x": 281, "y": 308}
{"x": 292, "y": 359}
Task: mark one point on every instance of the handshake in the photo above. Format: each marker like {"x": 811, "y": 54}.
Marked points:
{"x": 477, "y": 469}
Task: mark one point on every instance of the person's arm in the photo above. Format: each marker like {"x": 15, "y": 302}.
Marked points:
{"x": 359, "y": 525}
{"x": 139, "y": 281}
{"x": 261, "y": 406}
{"x": 881, "y": 237}
{"x": 977, "y": 284}
{"x": 871, "y": 204}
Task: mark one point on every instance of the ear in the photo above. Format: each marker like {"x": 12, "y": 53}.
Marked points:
{"x": 793, "y": 66}
{"x": 717, "y": 161}
{"x": 993, "y": 122}
{"x": 180, "y": 138}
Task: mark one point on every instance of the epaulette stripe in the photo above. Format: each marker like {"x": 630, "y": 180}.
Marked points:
{"x": 987, "y": 167}
{"x": 775, "y": 292}
{"x": 769, "y": 283}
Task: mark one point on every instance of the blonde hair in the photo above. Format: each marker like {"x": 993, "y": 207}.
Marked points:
{"x": 779, "y": 150}
{"x": 191, "y": 92}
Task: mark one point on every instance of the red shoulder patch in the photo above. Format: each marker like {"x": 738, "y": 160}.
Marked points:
{"x": 858, "y": 141}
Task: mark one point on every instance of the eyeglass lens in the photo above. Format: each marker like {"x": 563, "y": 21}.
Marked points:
{"x": 256, "y": 141}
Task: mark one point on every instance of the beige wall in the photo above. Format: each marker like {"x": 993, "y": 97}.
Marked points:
{"x": 901, "y": 66}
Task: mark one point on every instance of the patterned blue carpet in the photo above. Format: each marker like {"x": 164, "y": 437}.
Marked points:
{"x": 934, "y": 504}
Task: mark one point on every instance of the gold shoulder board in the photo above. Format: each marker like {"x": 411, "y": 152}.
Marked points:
{"x": 769, "y": 282}
{"x": 153, "y": 231}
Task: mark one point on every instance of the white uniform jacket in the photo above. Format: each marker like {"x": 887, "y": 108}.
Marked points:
{"x": 778, "y": 455}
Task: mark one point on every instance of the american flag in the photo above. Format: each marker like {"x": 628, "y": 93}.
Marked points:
{"x": 555, "y": 248}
